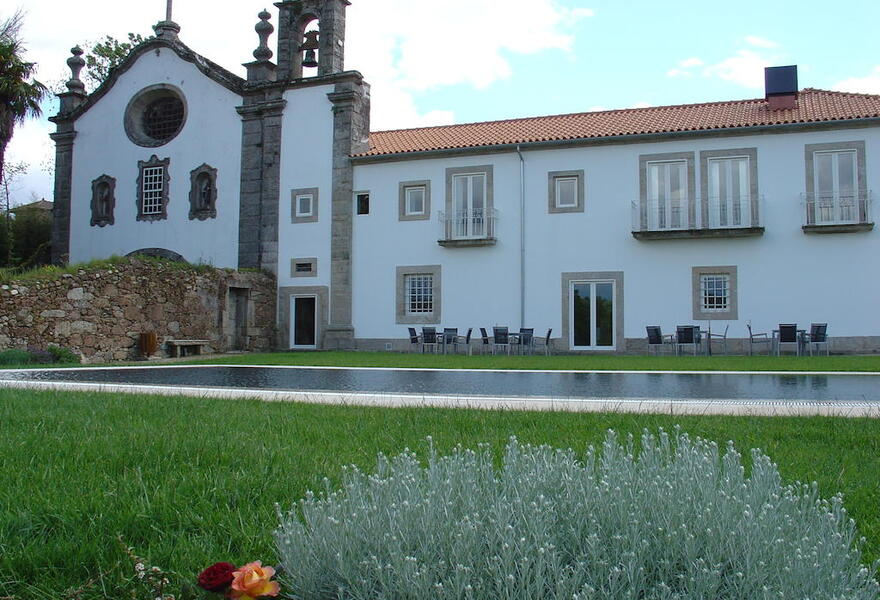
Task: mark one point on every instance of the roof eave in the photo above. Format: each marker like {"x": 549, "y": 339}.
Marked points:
{"x": 618, "y": 139}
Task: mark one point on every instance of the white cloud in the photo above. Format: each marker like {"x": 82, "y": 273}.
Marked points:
{"x": 640, "y": 105}
{"x": 414, "y": 53}
{"x": 745, "y": 68}
{"x": 684, "y": 66}
{"x": 870, "y": 84}
{"x": 760, "y": 42}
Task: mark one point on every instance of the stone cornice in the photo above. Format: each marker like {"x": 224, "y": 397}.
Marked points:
{"x": 229, "y": 80}
{"x": 255, "y": 111}
{"x": 63, "y": 137}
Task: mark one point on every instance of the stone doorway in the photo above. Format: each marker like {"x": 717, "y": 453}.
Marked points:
{"x": 238, "y": 317}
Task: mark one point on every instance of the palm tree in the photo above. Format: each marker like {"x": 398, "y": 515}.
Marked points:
{"x": 19, "y": 98}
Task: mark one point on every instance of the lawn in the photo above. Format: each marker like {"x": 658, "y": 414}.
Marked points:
{"x": 190, "y": 481}
{"x": 556, "y": 362}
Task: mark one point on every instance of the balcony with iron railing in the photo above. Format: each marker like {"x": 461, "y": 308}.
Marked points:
{"x": 737, "y": 216}
{"x": 836, "y": 212}
{"x": 468, "y": 228}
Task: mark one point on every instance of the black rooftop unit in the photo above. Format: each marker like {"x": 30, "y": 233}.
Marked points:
{"x": 780, "y": 80}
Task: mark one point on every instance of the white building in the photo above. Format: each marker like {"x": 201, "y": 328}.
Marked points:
{"x": 593, "y": 224}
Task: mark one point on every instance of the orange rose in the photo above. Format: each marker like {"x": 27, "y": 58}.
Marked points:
{"x": 252, "y": 581}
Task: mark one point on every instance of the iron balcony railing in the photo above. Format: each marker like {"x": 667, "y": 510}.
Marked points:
{"x": 853, "y": 208}
{"x": 476, "y": 224}
{"x": 731, "y": 212}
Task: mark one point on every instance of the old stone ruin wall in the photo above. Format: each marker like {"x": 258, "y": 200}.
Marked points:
{"x": 100, "y": 313}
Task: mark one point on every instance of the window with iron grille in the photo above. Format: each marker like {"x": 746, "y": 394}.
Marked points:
{"x": 419, "y": 294}
{"x": 152, "y": 189}
{"x": 715, "y": 292}
{"x": 154, "y": 179}
{"x": 163, "y": 118}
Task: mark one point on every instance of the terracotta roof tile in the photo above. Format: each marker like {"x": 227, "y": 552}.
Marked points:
{"x": 813, "y": 106}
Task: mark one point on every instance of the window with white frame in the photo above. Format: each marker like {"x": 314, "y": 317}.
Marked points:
{"x": 152, "y": 189}
{"x": 415, "y": 201}
{"x": 304, "y": 205}
{"x": 715, "y": 293}
{"x": 565, "y": 191}
{"x": 419, "y": 293}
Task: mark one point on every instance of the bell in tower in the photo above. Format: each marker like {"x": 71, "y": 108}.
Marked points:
{"x": 299, "y": 48}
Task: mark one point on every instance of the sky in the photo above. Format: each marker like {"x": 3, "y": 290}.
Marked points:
{"x": 459, "y": 61}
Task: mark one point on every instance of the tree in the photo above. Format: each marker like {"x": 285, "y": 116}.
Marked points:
{"x": 20, "y": 96}
{"x": 9, "y": 172}
{"x": 103, "y": 56}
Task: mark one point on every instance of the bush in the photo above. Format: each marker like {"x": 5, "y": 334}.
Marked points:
{"x": 15, "y": 357}
{"x": 38, "y": 356}
{"x": 677, "y": 520}
{"x": 63, "y": 355}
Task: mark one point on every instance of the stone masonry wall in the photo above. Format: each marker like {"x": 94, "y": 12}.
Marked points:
{"x": 100, "y": 313}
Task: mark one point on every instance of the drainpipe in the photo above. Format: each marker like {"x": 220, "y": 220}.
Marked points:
{"x": 522, "y": 238}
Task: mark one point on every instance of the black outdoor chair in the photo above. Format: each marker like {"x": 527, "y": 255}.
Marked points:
{"x": 487, "y": 345}
{"x": 788, "y": 334}
{"x": 500, "y": 338}
{"x": 657, "y": 340}
{"x": 467, "y": 340}
{"x": 526, "y": 339}
{"x": 818, "y": 335}
{"x": 758, "y": 338}
{"x": 721, "y": 337}
{"x": 450, "y": 338}
{"x": 429, "y": 339}
{"x": 545, "y": 342}
{"x": 414, "y": 340}
{"x": 687, "y": 335}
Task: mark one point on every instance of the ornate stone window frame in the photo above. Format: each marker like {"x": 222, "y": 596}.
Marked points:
{"x": 553, "y": 178}
{"x": 154, "y": 161}
{"x": 101, "y": 217}
{"x": 402, "y": 212}
{"x": 134, "y": 113}
{"x": 401, "y": 314}
{"x": 732, "y": 312}
{"x": 196, "y": 209}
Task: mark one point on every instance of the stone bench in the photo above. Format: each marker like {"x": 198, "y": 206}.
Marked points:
{"x": 185, "y": 347}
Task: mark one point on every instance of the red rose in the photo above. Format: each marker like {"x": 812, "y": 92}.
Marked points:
{"x": 217, "y": 577}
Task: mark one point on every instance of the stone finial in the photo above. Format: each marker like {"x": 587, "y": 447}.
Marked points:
{"x": 167, "y": 30}
{"x": 76, "y": 64}
{"x": 264, "y": 29}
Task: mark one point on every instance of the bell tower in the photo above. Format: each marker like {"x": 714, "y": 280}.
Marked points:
{"x": 300, "y": 49}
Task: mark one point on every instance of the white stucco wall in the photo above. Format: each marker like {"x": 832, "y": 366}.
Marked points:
{"x": 211, "y": 134}
{"x": 306, "y": 162}
{"x": 784, "y": 275}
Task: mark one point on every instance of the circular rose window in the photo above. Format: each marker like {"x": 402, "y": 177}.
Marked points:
{"x": 155, "y": 115}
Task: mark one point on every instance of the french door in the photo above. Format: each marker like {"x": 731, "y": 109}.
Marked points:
{"x": 730, "y": 203}
{"x": 667, "y": 195}
{"x": 592, "y": 309}
{"x": 469, "y": 202}
{"x": 836, "y": 184}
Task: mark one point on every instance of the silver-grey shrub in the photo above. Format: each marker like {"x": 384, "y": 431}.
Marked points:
{"x": 678, "y": 519}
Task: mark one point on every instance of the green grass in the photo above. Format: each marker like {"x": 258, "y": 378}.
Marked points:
{"x": 191, "y": 481}
{"x": 557, "y": 362}
{"x": 53, "y": 272}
